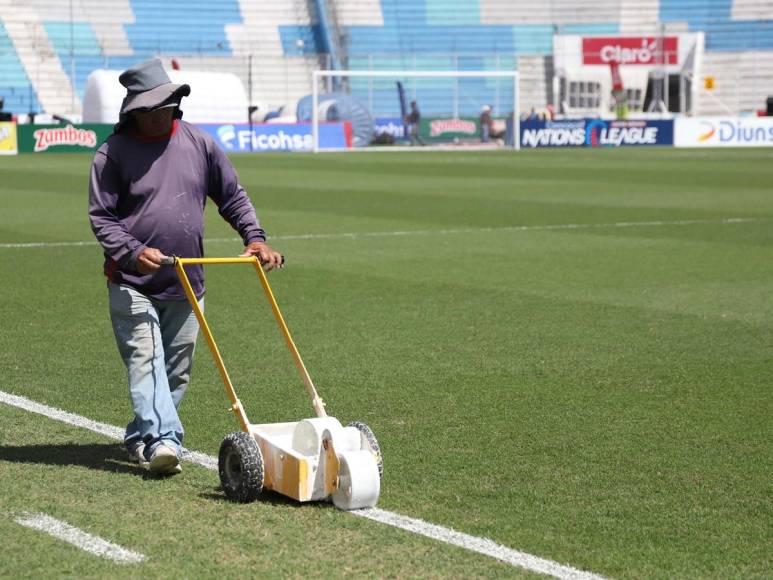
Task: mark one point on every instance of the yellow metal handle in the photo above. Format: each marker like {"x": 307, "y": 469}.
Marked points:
{"x": 180, "y": 263}
{"x": 235, "y": 403}
{"x": 316, "y": 401}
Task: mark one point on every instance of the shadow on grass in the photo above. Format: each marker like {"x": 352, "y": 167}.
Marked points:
{"x": 267, "y": 496}
{"x": 99, "y": 456}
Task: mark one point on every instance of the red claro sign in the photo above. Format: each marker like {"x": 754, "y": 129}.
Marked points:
{"x": 641, "y": 50}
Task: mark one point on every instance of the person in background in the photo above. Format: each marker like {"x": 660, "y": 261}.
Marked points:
{"x": 413, "y": 120}
{"x": 148, "y": 186}
{"x": 4, "y": 115}
{"x": 485, "y": 124}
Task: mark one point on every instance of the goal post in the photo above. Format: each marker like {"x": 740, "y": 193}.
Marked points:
{"x": 447, "y": 99}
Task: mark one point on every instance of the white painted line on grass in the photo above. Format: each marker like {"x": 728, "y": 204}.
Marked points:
{"x": 80, "y": 539}
{"x": 476, "y": 544}
{"x": 473, "y": 543}
{"x": 102, "y": 428}
{"x": 442, "y": 232}
{"x": 59, "y": 415}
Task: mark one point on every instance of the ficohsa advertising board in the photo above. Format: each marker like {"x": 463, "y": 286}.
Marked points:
{"x": 240, "y": 138}
{"x": 724, "y": 132}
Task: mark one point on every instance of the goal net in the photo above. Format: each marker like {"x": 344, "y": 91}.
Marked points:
{"x": 440, "y": 109}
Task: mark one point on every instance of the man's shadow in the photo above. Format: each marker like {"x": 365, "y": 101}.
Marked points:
{"x": 111, "y": 458}
{"x": 100, "y": 456}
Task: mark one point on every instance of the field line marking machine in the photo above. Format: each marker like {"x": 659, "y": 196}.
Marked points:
{"x": 315, "y": 459}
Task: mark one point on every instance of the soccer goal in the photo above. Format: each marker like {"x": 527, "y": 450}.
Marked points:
{"x": 434, "y": 109}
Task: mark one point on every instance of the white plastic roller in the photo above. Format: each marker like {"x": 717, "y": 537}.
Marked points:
{"x": 359, "y": 484}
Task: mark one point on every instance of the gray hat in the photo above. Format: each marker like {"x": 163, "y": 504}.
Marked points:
{"x": 148, "y": 87}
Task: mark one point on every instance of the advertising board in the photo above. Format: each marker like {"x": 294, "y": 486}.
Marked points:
{"x": 552, "y": 133}
{"x": 262, "y": 137}
{"x": 232, "y": 138}
{"x": 630, "y": 50}
{"x": 443, "y": 130}
{"x": 8, "y": 145}
{"x": 392, "y": 126}
{"x": 596, "y": 133}
{"x": 724, "y": 132}
{"x": 62, "y": 138}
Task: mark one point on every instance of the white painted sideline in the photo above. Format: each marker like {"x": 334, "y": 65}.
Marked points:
{"x": 445, "y": 232}
{"x": 481, "y": 545}
{"x": 475, "y": 544}
{"x": 80, "y": 539}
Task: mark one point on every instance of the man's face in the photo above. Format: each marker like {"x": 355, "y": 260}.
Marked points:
{"x": 155, "y": 123}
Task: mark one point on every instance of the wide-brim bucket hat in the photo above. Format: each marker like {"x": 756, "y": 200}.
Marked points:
{"x": 148, "y": 87}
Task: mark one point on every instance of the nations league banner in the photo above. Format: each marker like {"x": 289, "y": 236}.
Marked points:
{"x": 596, "y": 133}
{"x": 241, "y": 138}
{"x": 724, "y": 132}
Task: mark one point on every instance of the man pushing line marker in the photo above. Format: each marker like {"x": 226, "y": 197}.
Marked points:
{"x": 149, "y": 183}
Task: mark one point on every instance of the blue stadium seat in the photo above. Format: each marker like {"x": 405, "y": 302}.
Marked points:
{"x": 182, "y": 26}
{"x": 15, "y": 87}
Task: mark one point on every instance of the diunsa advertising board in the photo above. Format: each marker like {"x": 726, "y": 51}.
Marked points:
{"x": 724, "y": 132}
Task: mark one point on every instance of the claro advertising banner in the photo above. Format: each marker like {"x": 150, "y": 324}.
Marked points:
{"x": 630, "y": 50}
{"x": 724, "y": 132}
{"x": 596, "y": 133}
{"x": 243, "y": 138}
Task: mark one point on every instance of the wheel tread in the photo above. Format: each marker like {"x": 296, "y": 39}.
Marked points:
{"x": 373, "y": 442}
{"x": 249, "y": 485}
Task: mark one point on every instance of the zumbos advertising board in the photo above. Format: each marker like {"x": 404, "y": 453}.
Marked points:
{"x": 70, "y": 138}
{"x": 724, "y": 132}
{"x": 278, "y": 137}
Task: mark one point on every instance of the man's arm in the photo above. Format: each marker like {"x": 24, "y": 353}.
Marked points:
{"x": 104, "y": 191}
{"x": 236, "y": 208}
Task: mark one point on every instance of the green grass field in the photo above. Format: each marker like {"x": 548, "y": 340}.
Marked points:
{"x": 569, "y": 353}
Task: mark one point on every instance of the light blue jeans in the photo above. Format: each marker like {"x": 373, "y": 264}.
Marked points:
{"x": 156, "y": 340}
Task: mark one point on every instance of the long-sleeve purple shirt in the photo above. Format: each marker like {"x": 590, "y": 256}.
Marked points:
{"x": 151, "y": 193}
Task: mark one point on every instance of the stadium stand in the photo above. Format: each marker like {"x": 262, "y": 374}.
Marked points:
{"x": 49, "y": 47}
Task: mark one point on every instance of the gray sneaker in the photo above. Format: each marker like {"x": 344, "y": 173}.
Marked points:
{"x": 164, "y": 460}
{"x": 137, "y": 455}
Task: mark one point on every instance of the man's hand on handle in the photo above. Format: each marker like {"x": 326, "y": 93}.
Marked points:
{"x": 268, "y": 257}
{"x": 149, "y": 260}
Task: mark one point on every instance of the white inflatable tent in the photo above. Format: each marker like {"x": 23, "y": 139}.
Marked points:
{"x": 215, "y": 97}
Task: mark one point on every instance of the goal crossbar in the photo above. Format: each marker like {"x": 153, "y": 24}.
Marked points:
{"x": 318, "y": 74}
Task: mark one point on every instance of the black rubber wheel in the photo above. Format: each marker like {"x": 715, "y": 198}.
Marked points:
{"x": 372, "y": 442}
{"x": 240, "y": 464}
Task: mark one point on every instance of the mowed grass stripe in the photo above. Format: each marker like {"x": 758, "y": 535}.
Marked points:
{"x": 98, "y": 546}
